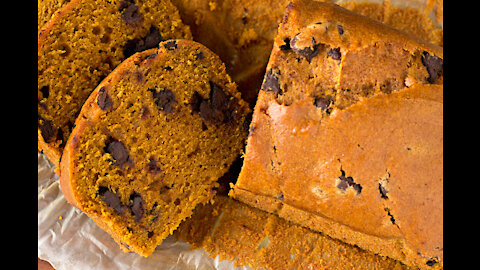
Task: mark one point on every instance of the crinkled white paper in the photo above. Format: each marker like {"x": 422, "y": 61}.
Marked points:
{"x": 69, "y": 239}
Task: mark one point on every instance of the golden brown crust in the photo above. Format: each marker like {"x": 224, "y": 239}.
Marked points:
{"x": 241, "y": 31}
{"x": 342, "y": 161}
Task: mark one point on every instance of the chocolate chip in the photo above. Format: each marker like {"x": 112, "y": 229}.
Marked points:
{"x": 118, "y": 152}
{"x": 136, "y": 206}
{"x": 343, "y": 185}
{"x": 271, "y": 83}
{"x": 170, "y": 45}
{"x": 286, "y": 46}
{"x": 431, "y": 262}
{"x": 195, "y": 102}
{"x": 103, "y": 100}
{"x": 151, "y": 40}
{"x": 383, "y": 191}
{"x": 152, "y": 166}
{"x": 323, "y": 102}
{"x": 334, "y": 54}
{"x": 219, "y": 108}
{"x": 340, "y": 29}
{"x": 46, "y": 129}
{"x": 165, "y": 99}
{"x": 45, "y": 90}
{"x": 130, "y": 12}
{"x": 111, "y": 199}
{"x": 434, "y": 66}
{"x": 357, "y": 188}
{"x": 308, "y": 51}
{"x": 346, "y": 182}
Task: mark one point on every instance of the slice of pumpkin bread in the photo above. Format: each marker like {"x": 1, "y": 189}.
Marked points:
{"x": 82, "y": 43}
{"x": 151, "y": 142}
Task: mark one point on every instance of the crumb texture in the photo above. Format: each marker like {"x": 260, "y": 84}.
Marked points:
{"x": 151, "y": 142}
{"x": 82, "y": 43}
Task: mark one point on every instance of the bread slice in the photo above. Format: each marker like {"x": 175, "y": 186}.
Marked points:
{"x": 248, "y": 236}
{"x": 83, "y": 42}
{"x": 152, "y": 140}
{"x": 347, "y": 134}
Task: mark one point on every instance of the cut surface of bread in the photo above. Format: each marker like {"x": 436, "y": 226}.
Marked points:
{"x": 80, "y": 45}
{"x": 151, "y": 142}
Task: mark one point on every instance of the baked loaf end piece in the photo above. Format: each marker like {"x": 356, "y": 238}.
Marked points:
{"x": 347, "y": 134}
{"x": 151, "y": 141}
{"x": 249, "y": 236}
{"x": 82, "y": 43}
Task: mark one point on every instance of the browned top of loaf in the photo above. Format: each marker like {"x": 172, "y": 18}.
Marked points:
{"x": 348, "y": 128}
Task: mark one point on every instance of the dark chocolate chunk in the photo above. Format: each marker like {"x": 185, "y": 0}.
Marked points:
{"x": 434, "y": 66}
{"x": 357, "y": 188}
{"x": 165, "y": 99}
{"x": 383, "y": 191}
{"x": 170, "y": 45}
{"x": 151, "y": 40}
{"x": 152, "y": 166}
{"x": 271, "y": 83}
{"x": 308, "y": 52}
{"x": 219, "y": 108}
{"x": 343, "y": 185}
{"x": 45, "y": 91}
{"x": 195, "y": 102}
{"x": 334, "y": 54}
{"x": 286, "y": 46}
{"x": 323, "y": 102}
{"x": 103, "y": 100}
{"x": 46, "y": 129}
{"x": 136, "y": 206}
{"x": 431, "y": 262}
{"x": 130, "y": 12}
{"x": 118, "y": 152}
{"x": 340, "y": 29}
{"x": 111, "y": 199}
{"x": 346, "y": 182}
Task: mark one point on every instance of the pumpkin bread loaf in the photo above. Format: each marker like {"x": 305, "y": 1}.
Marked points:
{"x": 347, "y": 134}
{"x": 152, "y": 140}
{"x": 242, "y": 32}
{"x": 82, "y": 43}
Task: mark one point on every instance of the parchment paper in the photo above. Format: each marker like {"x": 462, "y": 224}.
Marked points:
{"x": 69, "y": 239}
